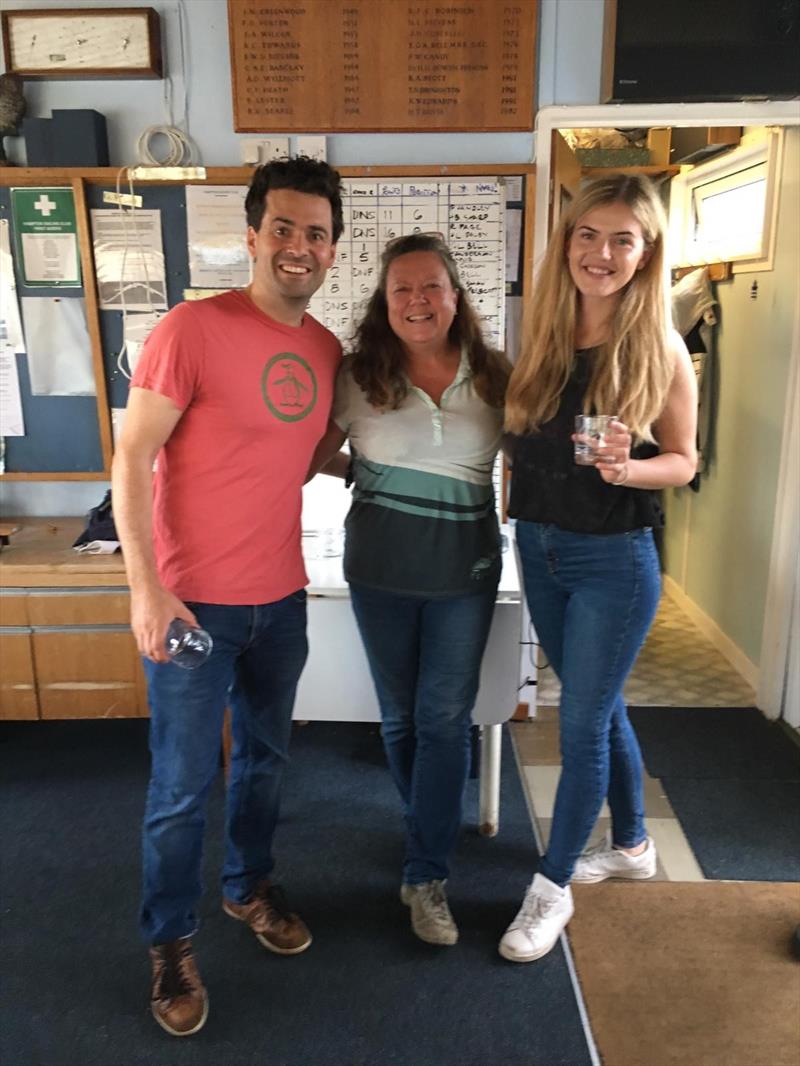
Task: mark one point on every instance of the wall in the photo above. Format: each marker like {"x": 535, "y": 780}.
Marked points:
{"x": 569, "y": 46}
{"x": 717, "y": 543}
{"x": 569, "y": 72}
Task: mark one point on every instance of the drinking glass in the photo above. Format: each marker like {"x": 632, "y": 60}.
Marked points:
{"x": 591, "y": 433}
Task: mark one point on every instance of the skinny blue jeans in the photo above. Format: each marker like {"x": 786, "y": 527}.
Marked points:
{"x": 425, "y": 659}
{"x": 592, "y": 599}
{"x": 255, "y": 665}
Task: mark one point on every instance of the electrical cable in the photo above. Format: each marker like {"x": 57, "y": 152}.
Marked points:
{"x": 180, "y": 151}
{"x": 128, "y": 217}
{"x": 180, "y": 148}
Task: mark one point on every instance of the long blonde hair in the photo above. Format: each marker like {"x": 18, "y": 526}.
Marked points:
{"x": 632, "y": 371}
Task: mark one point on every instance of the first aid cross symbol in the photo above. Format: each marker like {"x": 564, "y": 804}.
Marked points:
{"x": 45, "y": 205}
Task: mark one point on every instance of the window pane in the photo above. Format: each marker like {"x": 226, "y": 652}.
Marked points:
{"x": 729, "y": 214}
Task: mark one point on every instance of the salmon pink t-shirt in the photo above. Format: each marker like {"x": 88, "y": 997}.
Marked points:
{"x": 256, "y": 396}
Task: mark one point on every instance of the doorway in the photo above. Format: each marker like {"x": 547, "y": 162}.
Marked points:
{"x": 729, "y": 562}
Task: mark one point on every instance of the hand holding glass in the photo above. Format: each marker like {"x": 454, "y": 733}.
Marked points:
{"x": 590, "y": 435}
{"x": 188, "y": 646}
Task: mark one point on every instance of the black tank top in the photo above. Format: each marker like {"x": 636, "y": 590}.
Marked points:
{"x": 548, "y": 486}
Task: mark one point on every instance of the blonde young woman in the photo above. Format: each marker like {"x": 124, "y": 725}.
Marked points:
{"x": 598, "y": 343}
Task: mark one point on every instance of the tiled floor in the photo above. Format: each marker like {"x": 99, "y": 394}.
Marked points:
{"x": 537, "y": 749}
{"x": 678, "y": 667}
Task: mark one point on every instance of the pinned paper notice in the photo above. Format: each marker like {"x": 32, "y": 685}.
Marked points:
{"x": 59, "y": 349}
{"x": 216, "y": 228}
{"x": 136, "y": 329}
{"x": 11, "y": 421}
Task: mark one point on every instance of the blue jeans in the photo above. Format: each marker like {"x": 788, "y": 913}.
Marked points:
{"x": 425, "y": 659}
{"x": 258, "y": 656}
{"x": 592, "y": 599}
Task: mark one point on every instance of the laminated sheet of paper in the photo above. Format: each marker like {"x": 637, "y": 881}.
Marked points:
{"x": 10, "y": 321}
{"x": 11, "y": 421}
{"x": 215, "y": 221}
{"x": 46, "y": 231}
{"x": 59, "y": 349}
{"x": 129, "y": 260}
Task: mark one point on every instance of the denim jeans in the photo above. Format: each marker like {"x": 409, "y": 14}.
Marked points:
{"x": 255, "y": 665}
{"x": 592, "y": 599}
{"x": 425, "y": 659}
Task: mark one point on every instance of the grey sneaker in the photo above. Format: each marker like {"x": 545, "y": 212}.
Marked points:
{"x": 604, "y": 860}
{"x": 431, "y": 919}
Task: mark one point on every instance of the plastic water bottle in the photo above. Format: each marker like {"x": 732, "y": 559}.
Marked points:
{"x": 187, "y": 646}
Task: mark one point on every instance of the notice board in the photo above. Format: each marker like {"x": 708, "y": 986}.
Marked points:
{"x": 69, "y": 437}
{"x": 469, "y": 213}
{"x": 382, "y": 65}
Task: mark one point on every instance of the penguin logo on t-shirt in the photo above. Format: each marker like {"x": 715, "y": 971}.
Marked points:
{"x": 289, "y": 387}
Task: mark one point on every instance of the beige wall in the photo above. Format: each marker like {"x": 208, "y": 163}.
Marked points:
{"x": 717, "y": 542}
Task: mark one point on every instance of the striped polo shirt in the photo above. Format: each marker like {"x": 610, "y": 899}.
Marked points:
{"x": 423, "y": 519}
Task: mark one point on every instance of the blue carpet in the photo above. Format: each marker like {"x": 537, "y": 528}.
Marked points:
{"x": 733, "y": 780}
{"x": 740, "y": 830}
{"x": 715, "y": 742}
{"x": 367, "y": 993}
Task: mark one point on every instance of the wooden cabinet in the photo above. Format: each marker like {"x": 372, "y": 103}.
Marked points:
{"x": 88, "y": 673}
{"x": 78, "y": 607}
{"x": 18, "y": 698}
{"x": 66, "y": 647}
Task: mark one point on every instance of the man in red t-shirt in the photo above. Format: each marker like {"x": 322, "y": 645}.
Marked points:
{"x": 230, "y": 396}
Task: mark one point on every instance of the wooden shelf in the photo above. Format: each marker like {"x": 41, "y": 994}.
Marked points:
{"x": 716, "y": 271}
{"x": 26, "y": 176}
{"x": 652, "y": 171}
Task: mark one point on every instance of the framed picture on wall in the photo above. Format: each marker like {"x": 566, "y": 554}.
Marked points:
{"x": 120, "y": 42}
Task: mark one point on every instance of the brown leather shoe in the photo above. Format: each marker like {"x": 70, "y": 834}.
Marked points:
{"x": 178, "y": 1000}
{"x": 268, "y": 915}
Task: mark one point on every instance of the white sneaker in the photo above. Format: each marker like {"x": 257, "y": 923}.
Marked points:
{"x": 542, "y": 917}
{"x": 604, "y": 861}
{"x": 431, "y": 919}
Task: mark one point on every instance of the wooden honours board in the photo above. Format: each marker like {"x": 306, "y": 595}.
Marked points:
{"x": 370, "y": 65}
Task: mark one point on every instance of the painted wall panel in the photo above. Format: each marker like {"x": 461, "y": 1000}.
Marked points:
{"x": 728, "y": 526}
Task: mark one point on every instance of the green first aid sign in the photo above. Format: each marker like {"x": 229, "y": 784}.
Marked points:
{"x": 46, "y": 237}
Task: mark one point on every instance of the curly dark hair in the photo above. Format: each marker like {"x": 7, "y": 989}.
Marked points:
{"x": 302, "y": 175}
{"x": 377, "y": 358}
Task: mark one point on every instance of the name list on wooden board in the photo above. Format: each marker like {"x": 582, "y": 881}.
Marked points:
{"x": 382, "y": 65}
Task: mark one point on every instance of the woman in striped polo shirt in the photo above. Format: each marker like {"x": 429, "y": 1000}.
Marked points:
{"x": 420, "y": 398}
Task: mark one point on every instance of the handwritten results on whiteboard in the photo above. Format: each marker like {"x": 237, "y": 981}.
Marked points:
{"x": 470, "y": 215}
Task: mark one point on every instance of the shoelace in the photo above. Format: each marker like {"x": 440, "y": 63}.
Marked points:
{"x": 174, "y": 978}
{"x": 434, "y": 896}
{"x": 274, "y": 899}
{"x": 596, "y": 850}
{"x": 533, "y": 907}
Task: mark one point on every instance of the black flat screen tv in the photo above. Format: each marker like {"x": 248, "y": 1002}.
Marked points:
{"x": 694, "y": 50}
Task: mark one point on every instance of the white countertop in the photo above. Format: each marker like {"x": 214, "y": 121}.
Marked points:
{"x": 325, "y": 575}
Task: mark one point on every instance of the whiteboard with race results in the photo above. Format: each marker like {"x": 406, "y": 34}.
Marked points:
{"x": 470, "y": 216}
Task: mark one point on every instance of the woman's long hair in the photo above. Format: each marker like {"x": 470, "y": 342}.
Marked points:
{"x": 632, "y": 371}
{"x": 377, "y": 359}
